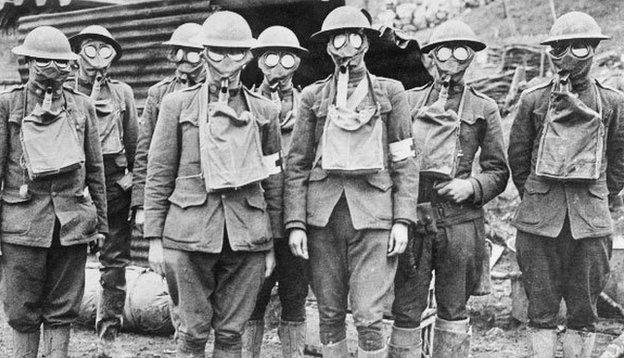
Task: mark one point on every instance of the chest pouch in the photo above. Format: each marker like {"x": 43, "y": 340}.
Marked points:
{"x": 50, "y": 146}
{"x": 571, "y": 142}
{"x": 110, "y": 126}
{"x": 436, "y": 133}
{"x": 230, "y": 146}
{"x": 352, "y": 140}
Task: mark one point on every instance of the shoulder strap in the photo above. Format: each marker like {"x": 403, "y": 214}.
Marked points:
{"x": 358, "y": 94}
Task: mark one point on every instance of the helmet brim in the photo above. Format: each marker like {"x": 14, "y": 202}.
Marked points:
{"x": 476, "y": 45}
{"x": 76, "y": 40}
{"x": 23, "y": 51}
{"x": 298, "y": 50}
{"x": 324, "y": 35}
{"x": 553, "y": 39}
{"x": 182, "y": 44}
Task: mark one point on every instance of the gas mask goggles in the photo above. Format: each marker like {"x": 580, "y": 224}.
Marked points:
{"x": 49, "y": 73}
{"x": 226, "y": 63}
{"x": 278, "y": 67}
{"x": 573, "y": 58}
{"x": 96, "y": 56}
{"x": 188, "y": 63}
{"x": 347, "y": 49}
{"x": 452, "y": 61}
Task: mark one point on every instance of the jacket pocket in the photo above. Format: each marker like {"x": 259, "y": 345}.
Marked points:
{"x": 317, "y": 174}
{"x": 256, "y": 201}
{"x": 188, "y": 192}
{"x": 534, "y": 209}
{"x": 533, "y": 186}
{"x": 16, "y": 216}
{"x": 381, "y": 181}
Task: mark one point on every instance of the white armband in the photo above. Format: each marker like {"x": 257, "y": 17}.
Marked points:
{"x": 272, "y": 163}
{"x": 402, "y": 149}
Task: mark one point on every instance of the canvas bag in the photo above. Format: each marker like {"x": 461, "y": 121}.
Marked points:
{"x": 571, "y": 142}
{"x": 110, "y": 124}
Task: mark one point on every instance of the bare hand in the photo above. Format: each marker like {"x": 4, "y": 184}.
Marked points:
{"x": 156, "y": 256}
{"x": 457, "y": 190}
{"x": 298, "y": 241}
{"x": 398, "y": 239}
{"x": 269, "y": 262}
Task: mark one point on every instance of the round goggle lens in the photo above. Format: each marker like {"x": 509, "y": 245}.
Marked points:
{"x": 90, "y": 51}
{"x": 461, "y": 53}
{"x": 106, "y": 52}
{"x": 356, "y": 40}
{"x": 271, "y": 59}
{"x": 288, "y": 61}
{"x": 215, "y": 56}
{"x": 237, "y": 56}
{"x": 580, "y": 51}
{"x": 40, "y": 62}
{"x": 193, "y": 57}
{"x": 558, "y": 51}
{"x": 61, "y": 64}
{"x": 444, "y": 53}
{"x": 339, "y": 40}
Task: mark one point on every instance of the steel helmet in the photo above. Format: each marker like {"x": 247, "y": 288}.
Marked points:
{"x": 278, "y": 37}
{"x": 185, "y": 36}
{"x": 46, "y": 42}
{"x": 95, "y": 32}
{"x": 453, "y": 31}
{"x": 342, "y": 18}
{"x": 575, "y": 25}
{"x": 226, "y": 29}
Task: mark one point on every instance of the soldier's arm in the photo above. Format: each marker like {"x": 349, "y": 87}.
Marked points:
{"x": 274, "y": 184}
{"x": 94, "y": 167}
{"x": 615, "y": 148}
{"x": 521, "y": 139}
{"x": 146, "y": 131}
{"x": 299, "y": 163}
{"x": 4, "y": 135}
{"x": 130, "y": 123}
{"x": 162, "y": 167}
{"x": 494, "y": 174}
{"x": 403, "y": 165}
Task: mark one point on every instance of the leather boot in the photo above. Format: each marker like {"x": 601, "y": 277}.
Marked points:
{"x": 578, "y": 344}
{"x": 381, "y": 353}
{"x": 542, "y": 343}
{"x": 293, "y": 336}
{"x": 25, "y": 345}
{"x": 451, "y": 339}
{"x": 404, "y": 343}
{"x": 55, "y": 342}
{"x": 335, "y": 350}
{"x": 252, "y": 338}
{"x": 219, "y": 353}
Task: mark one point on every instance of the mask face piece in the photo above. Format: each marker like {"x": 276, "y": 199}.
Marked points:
{"x": 452, "y": 61}
{"x": 49, "y": 73}
{"x": 278, "y": 67}
{"x": 348, "y": 48}
{"x": 96, "y": 57}
{"x": 226, "y": 63}
{"x": 573, "y": 58}
{"x": 189, "y": 64}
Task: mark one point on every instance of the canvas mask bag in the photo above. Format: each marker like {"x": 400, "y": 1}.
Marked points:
{"x": 50, "y": 143}
{"x": 571, "y": 143}
{"x": 110, "y": 126}
{"x": 230, "y": 145}
{"x": 352, "y": 140}
{"x": 436, "y": 133}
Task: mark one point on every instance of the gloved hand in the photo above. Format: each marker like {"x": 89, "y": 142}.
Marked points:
{"x": 426, "y": 224}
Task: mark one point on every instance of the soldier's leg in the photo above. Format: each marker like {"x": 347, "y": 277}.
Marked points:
{"x": 254, "y": 329}
{"x": 292, "y": 274}
{"x": 23, "y": 280}
{"x": 541, "y": 266}
{"x": 63, "y": 292}
{"x": 191, "y": 275}
{"x": 239, "y": 276}
{"x": 329, "y": 279}
{"x": 585, "y": 276}
{"x": 411, "y": 294}
{"x": 114, "y": 257}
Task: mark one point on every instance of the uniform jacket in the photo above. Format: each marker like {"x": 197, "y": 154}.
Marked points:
{"x": 29, "y": 220}
{"x": 147, "y": 124}
{"x": 375, "y": 200}
{"x": 480, "y": 129}
{"x": 288, "y": 118}
{"x": 124, "y": 100}
{"x": 177, "y": 206}
{"x": 545, "y": 203}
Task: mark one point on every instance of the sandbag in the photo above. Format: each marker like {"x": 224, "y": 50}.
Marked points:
{"x": 147, "y": 305}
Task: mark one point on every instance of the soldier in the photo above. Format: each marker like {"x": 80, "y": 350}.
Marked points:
{"x": 351, "y": 186}
{"x": 566, "y": 153}
{"x": 52, "y": 206}
{"x": 452, "y": 122}
{"x": 213, "y": 193}
{"x": 117, "y": 123}
{"x": 190, "y": 70}
{"x": 279, "y": 55}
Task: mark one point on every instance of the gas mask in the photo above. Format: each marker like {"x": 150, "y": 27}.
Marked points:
{"x": 95, "y": 58}
{"x": 573, "y": 59}
{"x": 452, "y": 61}
{"x": 347, "y": 49}
{"x": 47, "y": 73}
{"x": 189, "y": 65}
{"x": 225, "y": 65}
{"x": 279, "y": 67}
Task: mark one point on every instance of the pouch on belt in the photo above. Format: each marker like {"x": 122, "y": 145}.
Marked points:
{"x": 571, "y": 144}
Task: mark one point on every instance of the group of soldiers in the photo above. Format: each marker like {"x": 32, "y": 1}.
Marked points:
{"x": 353, "y": 186}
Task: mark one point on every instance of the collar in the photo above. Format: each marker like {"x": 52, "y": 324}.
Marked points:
{"x": 266, "y": 89}
{"x": 38, "y": 91}
{"x": 454, "y": 88}
{"x": 581, "y": 84}
{"x": 214, "y": 89}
